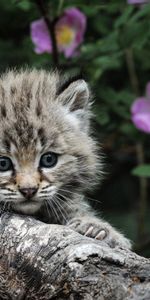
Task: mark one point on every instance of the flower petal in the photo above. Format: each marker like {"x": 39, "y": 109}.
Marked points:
{"x": 40, "y": 37}
{"x": 75, "y": 18}
{"x": 142, "y": 121}
{"x": 137, "y": 1}
{"x": 140, "y": 105}
{"x": 69, "y": 29}
{"x": 76, "y": 21}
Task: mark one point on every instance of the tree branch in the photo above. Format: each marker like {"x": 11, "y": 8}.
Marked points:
{"x": 142, "y": 205}
{"x": 51, "y": 28}
{"x": 42, "y": 261}
{"x": 132, "y": 72}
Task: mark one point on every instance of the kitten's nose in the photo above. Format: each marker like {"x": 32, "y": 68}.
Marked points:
{"x": 28, "y": 192}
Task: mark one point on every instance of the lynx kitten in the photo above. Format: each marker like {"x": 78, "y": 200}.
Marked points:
{"x": 47, "y": 157}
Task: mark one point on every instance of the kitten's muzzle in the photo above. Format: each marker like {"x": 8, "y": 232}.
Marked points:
{"x": 28, "y": 192}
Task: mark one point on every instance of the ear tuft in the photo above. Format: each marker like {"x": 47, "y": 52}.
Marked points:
{"x": 80, "y": 97}
{"x": 65, "y": 82}
{"x": 75, "y": 96}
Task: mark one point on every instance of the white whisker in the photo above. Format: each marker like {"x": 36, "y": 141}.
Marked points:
{"x": 48, "y": 207}
{"x": 65, "y": 198}
{"x": 60, "y": 208}
{"x": 51, "y": 204}
{"x": 67, "y": 201}
{"x": 77, "y": 194}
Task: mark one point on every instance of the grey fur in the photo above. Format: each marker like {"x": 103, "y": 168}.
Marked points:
{"x": 39, "y": 113}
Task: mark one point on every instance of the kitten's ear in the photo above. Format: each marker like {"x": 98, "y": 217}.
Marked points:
{"x": 75, "y": 95}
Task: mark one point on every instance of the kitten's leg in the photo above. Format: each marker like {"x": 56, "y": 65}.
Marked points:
{"x": 94, "y": 227}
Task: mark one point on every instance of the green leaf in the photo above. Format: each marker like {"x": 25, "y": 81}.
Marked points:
{"x": 141, "y": 13}
{"x": 102, "y": 115}
{"x": 111, "y": 39}
{"x": 128, "y": 129}
{"x": 142, "y": 171}
{"x": 24, "y": 5}
{"x": 123, "y": 19}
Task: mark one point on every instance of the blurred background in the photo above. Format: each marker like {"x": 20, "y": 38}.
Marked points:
{"x": 110, "y": 45}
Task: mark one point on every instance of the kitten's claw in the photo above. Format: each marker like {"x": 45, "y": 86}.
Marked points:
{"x": 89, "y": 231}
{"x": 101, "y": 235}
{"x": 99, "y": 230}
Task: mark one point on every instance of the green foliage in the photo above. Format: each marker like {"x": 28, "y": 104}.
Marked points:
{"x": 113, "y": 30}
{"x": 142, "y": 171}
{"x": 24, "y": 5}
{"x": 116, "y": 45}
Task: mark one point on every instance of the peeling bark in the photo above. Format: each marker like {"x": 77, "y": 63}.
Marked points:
{"x": 42, "y": 261}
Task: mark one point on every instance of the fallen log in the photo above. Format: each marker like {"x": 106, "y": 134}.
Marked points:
{"x": 42, "y": 261}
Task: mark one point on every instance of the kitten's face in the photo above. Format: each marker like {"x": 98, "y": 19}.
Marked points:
{"x": 45, "y": 150}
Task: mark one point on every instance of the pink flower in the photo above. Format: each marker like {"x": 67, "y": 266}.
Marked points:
{"x": 141, "y": 111}
{"x": 137, "y": 1}
{"x": 69, "y": 30}
{"x": 40, "y": 37}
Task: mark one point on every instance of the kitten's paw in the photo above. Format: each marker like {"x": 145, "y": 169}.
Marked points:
{"x": 95, "y": 228}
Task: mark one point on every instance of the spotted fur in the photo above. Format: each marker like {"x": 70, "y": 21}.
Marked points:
{"x": 39, "y": 113}
{"x": 42, "y": 112}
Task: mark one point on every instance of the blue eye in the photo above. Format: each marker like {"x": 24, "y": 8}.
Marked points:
{"x": 5, "y": 164}
{"x": 48, "y": 160}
